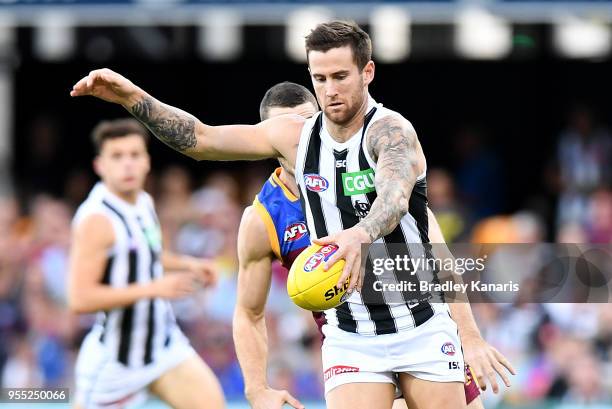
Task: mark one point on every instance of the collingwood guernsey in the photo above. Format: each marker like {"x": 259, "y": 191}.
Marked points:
{"x": 336, "y": 182}
{"x": 135, "y": 335}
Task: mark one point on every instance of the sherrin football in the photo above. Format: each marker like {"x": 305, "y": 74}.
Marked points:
{"x": 309, "y": 285}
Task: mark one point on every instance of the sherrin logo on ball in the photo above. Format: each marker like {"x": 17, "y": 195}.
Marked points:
{"x": 315, "y": 183}
{"x": 448, "y": 348}
{"x": 311, "y": 287}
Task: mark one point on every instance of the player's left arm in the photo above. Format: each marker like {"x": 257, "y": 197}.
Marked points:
{"x": 393, "y": 144}
{"x": 484, "y": 359}
{"x": 205, "y": 269}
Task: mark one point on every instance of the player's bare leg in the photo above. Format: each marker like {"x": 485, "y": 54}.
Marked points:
{"x": 422, "y": 394}
{"x": 475, "y": 404}
{"x": 190, "y": 385}
{"x": 361, "y": 396}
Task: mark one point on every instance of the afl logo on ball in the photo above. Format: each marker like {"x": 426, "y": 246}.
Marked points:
{"x": 315, "y": 183}
{"x": 295, "y": 232}
{"x": 323, "y": 254}
{"x": 448, "y": 348}
{"x": 313, "y": 262}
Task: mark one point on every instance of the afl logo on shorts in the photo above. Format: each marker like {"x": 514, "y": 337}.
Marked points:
{"x": 295, "y": 232}
{"x": 317, "y": 258}
{"x": 448, "y": 348}
{"x": 315, "y": 183}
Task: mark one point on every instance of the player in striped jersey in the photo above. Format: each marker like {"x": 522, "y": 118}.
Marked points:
{"x": 117, "y": 270}
{"x": 356, "y": 164}
{"x": 276, "y": 213}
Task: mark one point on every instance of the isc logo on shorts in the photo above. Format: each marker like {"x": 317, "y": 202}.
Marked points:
{"x": 448, "y": 348}
{"x": 315, "y": 183}
{"x": 295, "y": 232}
{"x": 338, "y": 369}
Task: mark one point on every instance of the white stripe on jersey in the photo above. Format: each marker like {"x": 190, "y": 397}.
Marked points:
{"x": 136, "y": 231}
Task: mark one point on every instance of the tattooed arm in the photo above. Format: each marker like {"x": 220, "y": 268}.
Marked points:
{"x": 394, "y": 146}
{"x": 186, "y": 134}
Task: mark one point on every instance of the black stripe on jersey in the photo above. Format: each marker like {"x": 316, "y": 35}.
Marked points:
{"x": 311, "y": 166}
{"x": 121, "y": 217}
{"x": 106, "y": 280}
{"x": 346, "y": 321}
{"x": 148, "y": 355}
{"x": 418, "y": 209}
{"x": 127, "y": 319}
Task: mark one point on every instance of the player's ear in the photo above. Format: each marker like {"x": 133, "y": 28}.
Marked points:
{"x": 368, "y": 73}
{"x": 97, "y": 165}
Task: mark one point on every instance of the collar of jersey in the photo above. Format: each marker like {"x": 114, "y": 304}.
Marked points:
{"x": 285, "y": 189}
{"x": 102, "y": 190}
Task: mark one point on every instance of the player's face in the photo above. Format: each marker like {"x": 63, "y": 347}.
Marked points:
{"x": 123, "y": 163}
{"x": 306, "y": 110}
{"x": 340, "y": 86}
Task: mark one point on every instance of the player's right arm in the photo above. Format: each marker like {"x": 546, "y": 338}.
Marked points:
{"x": 250, "y": 336}
{"x": 277, "y": 137}
{"x": 92, "y": 238}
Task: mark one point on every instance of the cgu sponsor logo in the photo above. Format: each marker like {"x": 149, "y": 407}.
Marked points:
{"x": 338, "y": 369}
{"x": 448, "y": 348}
{"x": 295, "y": 232}
{"x": 315, "y": 183}
{"x": 320, "y": 256}
{"x": 356, "y": 183}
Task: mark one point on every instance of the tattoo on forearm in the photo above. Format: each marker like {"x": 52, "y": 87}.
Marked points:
{"x": 393, "y": 146}
{"x": 172, "y": 126}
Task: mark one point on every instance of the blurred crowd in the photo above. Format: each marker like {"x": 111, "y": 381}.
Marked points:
{"x": 562, "y": 352}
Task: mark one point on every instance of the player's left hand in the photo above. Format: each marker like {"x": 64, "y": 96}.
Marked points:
{"x": 485, "y": 361}
{"x": 205, "y": 269}
{"x": 349, "y": 243}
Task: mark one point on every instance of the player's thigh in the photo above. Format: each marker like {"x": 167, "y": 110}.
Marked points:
{"x": 400, "y": 403}
{"x": 476, "y": 403}
{"x": 422, "y": 394}
{"x": 191, "y": 384}
{"x": 361, "y": 396}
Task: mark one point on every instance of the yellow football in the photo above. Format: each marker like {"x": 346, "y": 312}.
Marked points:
{"x": 309, "y": 285}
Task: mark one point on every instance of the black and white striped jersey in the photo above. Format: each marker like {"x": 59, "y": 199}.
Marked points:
{"x": 336, "y": 182}
{"x": 135, "y": 334}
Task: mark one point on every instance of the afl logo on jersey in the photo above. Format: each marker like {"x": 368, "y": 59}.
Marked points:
{"x": 448, "y": 348}
{"x": 315, "y": 183}
{"x": 295, "y": 232}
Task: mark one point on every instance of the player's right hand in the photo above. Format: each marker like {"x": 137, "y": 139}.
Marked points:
{"x": 107, "y": 85}
{"x": 174, "y": 285}
{"x": 269, "y": 398}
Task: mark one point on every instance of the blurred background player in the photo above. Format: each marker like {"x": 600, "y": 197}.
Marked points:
{"x": 117, "y": 270}
{"x": 276, "y": 213}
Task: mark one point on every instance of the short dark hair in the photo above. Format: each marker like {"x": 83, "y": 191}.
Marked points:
{"x": 117, "y": 128}
{"x": 337, "y": 34}
{"x": 285, "y": 95}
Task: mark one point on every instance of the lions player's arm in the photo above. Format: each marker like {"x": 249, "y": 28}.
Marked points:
{"x": 484, "y": 360}
{"x": 91, "y": 240}
{"x": 249, "y": 327}
{"x": 186, "y": 134}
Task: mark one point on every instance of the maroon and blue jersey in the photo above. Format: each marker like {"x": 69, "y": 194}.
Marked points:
{"x": 282, "y": 215}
